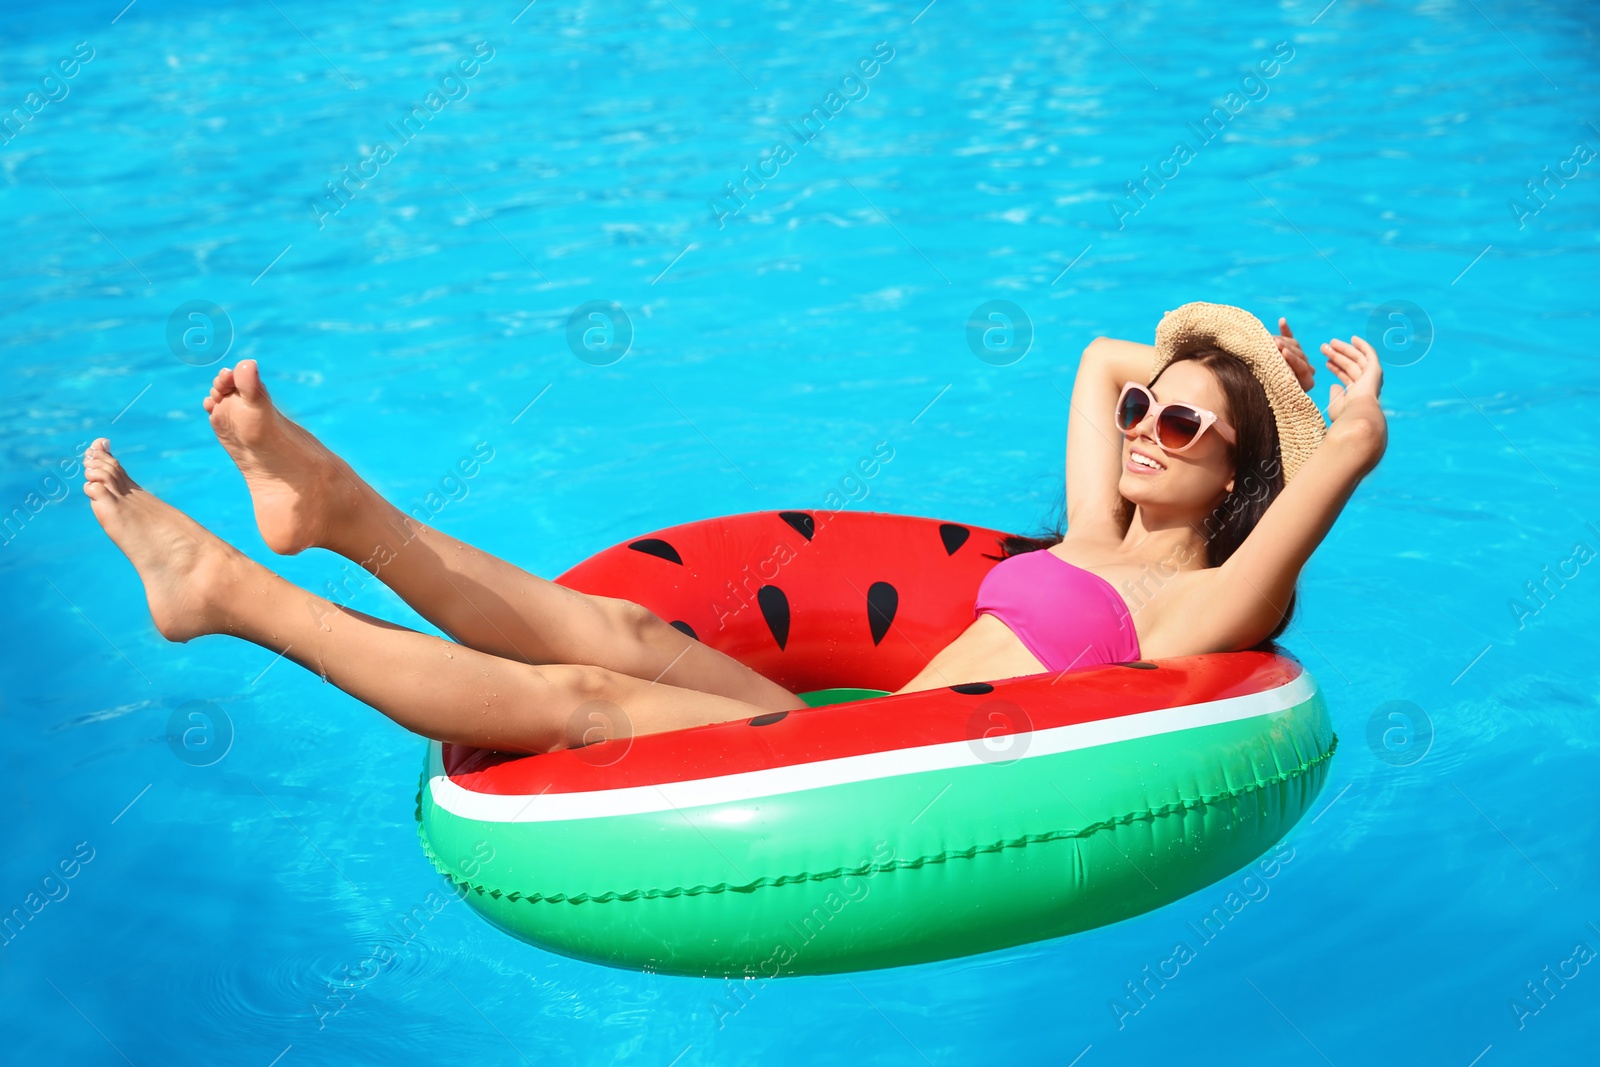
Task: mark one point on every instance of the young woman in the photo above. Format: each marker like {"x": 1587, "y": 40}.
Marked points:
{"x": 1199, "y": 496}
{"x": 1168, "y": 493}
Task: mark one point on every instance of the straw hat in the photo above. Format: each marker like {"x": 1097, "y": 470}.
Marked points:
{"x": 1239, "y": 333}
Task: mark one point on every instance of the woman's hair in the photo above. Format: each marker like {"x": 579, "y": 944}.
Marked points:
{"x": 1257, "y": 479}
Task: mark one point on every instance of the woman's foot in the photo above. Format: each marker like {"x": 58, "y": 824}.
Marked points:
{"x": 303, "y": 493}
{"x": 186, "y": 569}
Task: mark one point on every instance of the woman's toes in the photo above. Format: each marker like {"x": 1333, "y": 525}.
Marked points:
{"x": 247, "y": 378}
{"x": 101, "y": 468}
{"x": 300, "y": 490}
{"x": 221, "y": 386}
{"x": 182, "y": 566}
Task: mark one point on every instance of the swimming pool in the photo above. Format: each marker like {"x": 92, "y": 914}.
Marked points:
{"x": 261, "y": 893}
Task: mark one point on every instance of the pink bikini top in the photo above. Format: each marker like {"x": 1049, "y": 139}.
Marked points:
{"x": 1065, "y": 615}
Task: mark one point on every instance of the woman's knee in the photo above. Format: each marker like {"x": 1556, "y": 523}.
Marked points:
{"x": 599, "y": 714}
{"x": 632, "y": 615}
{"x": 640, "y": 628}
{"x": 579, "y": 706}
{"x": 621, "y": 615}
{"x": 575, "y": 684}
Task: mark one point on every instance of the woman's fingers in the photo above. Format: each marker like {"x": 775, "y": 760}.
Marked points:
{"x": 1371, "y": 367}
{"x": 1357, "y": 365}
{"x": 1354, "y": 358}
{"x": 1295, "y": 356}
{"x": 1340, "y": 363}
{"x": 1358, "y": 353}
{"x": 1348, "y": 349}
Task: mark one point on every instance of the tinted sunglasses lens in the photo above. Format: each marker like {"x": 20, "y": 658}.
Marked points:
{"x": 1133, "y": 408}
{"x": 1177, "y": 427}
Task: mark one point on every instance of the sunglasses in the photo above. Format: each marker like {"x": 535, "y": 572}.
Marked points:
{"x": 1178, "y": 426}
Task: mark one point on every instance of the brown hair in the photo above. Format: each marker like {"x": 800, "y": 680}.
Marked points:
{"x": 1257, "y": 479}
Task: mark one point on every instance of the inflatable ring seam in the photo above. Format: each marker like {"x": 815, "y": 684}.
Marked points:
{"x": 1148, "y": 814}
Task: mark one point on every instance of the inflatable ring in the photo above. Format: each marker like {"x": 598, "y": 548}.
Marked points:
{"x": 868, "y": 830}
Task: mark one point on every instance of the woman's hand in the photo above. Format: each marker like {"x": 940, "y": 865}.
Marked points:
{"x": 1358, "y": 369}
{"x": 1289, "y": 348}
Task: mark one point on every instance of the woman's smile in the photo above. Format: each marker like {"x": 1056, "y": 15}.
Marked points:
{"x": 1140, "y": 461}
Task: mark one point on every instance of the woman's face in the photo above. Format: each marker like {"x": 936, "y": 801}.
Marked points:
{"x": 1194, "y": 481}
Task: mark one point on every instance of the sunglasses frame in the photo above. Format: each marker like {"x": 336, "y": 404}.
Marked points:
{"x": 1208, "y": 419}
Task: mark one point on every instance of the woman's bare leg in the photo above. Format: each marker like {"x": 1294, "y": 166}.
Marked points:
{"x": 305, "y": 496}
{"x": 196, "y": 584}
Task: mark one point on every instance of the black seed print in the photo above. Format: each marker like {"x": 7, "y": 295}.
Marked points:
{"x": 801, "y": 521}
{"x": 882, "y": 602}
{"x": 654, "y": 546}
{"x": 953, "y": 536}
{"x": 775, "y": 609}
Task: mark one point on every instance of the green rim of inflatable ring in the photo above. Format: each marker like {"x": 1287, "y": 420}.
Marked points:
{"x": 1149, "y": 814}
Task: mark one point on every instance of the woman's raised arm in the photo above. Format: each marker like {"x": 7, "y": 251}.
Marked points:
{"x": 1243, "y": 600}
{"x": 1094, "y": 445}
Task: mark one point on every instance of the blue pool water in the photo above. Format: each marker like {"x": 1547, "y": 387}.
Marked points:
{"x": 213, "y": 910}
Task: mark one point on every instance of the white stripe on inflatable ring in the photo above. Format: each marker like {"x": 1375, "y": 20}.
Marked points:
{"x": 753, "y": 785}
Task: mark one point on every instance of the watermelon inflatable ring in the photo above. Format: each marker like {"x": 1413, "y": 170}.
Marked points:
{"x": 869, "y": 830}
